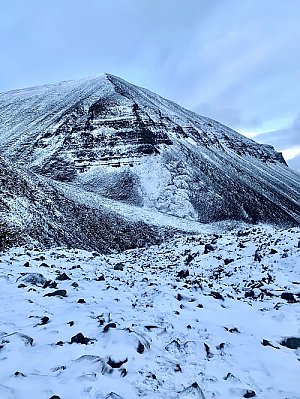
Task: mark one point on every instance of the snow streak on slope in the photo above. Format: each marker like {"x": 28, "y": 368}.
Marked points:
{"x": 204, "y": 316}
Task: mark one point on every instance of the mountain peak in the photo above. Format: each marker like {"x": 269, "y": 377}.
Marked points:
{"x": 122, "y": 145}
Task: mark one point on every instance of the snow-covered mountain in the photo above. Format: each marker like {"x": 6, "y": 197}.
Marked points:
{"x": 125, "y": 303}
{"x": 102, "y": 146}
{"x": 122, "y": 142}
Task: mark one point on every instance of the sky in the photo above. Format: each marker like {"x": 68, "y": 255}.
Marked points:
{"x": 236, "y": 61}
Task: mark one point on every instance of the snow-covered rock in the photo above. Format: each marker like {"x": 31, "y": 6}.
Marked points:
{"x": 147, "y": 330}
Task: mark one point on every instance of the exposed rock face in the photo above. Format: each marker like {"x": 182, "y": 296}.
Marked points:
{"x": 106, "y": 142}
{"x": 31, "y": 209}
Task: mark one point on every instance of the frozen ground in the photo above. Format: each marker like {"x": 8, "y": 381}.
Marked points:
{"x": 148, "y": 329}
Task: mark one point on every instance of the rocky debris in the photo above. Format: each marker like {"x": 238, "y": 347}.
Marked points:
{"x": 192, "y": 391}
{"x": 33, "y": 278}
{"x": 249, "y": 394}
{"x": 116, "y": 364}
{"x": 208, "y": 351}
{"x": 108, "y": 326}
{"x": 19, "y": 374}
{"x": 21, "y": 285}
{"x": 62, "y": 293}
{"x": 291, "y": 342}
{"x": 50, "y": 284}
{"x": 216, "y": 295}
{"x": 249, "y": 294}
{"x": 80, "y": 339}
{"x": 140, "y": 348}
{"x": 44, "y": 320}
{"x": 208, "y": 248}
{"x": 189, "y": 259}
{"x": 183, "y": 274}
{"x": 119, "y": 266}
{"x": 288, "y": 296}
{"x": 209, "y": 343}
{"x": 265, "y": 342}
{"x": 63, "y": 277}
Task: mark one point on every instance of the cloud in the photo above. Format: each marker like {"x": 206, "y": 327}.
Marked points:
{"x": 295, "y": 163}
{"x": 283, "y": 139}
{"x": 235, "y": 61}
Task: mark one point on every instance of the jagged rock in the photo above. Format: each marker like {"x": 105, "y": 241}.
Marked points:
{"x": 108, "y": 326}
{"x": 208, "y": 248}
{"x": 116, "y": 365}
{"x": 183, "y": 273}
{"x": 19, "y": 374}
{"x": 249, "y": 394}
{"x": 227, "y": 261}
{"x": 141, "y": 348}
{"x": 249, "y": 294}
{"x": 216, "y": 295}
{"x": 265, "y": 342}
{"x": 63, "y": 277}
{"x": 288, "y": 296}
{"x": 44, "y": 320}
{"x": 80, "y": 339}
{"x": 50, "y": 284}
{"x": 62, "y": 293}
{"x": 81, "y": 300}
{"x": 291, "y": 342}
{"x": 119, "y": 266}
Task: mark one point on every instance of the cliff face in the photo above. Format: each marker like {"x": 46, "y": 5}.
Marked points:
{"x": 107, "y": 142}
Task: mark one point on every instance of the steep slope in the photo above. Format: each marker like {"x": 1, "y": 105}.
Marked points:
{"x": 33, "y": 211}
{"x": 121, "y": 142}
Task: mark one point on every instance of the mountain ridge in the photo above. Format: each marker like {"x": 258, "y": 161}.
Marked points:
{"x": 110, "y": 143}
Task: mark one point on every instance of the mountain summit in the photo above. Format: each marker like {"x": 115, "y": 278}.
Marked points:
{"x": 105, "y": 142}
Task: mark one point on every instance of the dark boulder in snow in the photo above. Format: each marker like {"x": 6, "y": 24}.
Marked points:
{"x": 80, "y": 339}
{"x": 288, "y": 296}
{"x": 291, "y": 342}
{"x": 62, "y": 293}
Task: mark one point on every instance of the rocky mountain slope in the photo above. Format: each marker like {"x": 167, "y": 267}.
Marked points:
{"x": 105, "y": 145}
{"x": 33, "y": 210}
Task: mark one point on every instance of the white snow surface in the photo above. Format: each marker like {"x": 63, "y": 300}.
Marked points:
{"x": 174, "y": 338}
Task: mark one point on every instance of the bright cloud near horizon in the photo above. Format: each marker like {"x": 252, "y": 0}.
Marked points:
{"x": 235, "y": 61}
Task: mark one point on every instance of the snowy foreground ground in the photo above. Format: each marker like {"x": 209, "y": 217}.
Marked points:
{"x": 134, "y": 325}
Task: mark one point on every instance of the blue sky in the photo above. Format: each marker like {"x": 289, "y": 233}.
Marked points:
{"x": 236, "y": 61}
